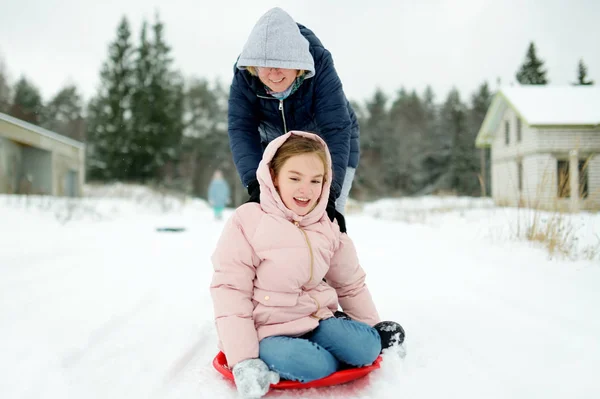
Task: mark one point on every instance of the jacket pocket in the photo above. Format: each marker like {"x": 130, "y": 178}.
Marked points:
{"x": 272, "y": 307}
{"x": 273, "y": 298}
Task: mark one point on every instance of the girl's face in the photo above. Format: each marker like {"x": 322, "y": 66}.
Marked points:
{"x": 277, "y": 79}
{"x": 300, "y": 182}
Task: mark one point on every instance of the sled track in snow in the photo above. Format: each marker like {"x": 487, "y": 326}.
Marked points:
{"x": 99, "y": 335}
{"x": 185, "y": 360}
{"x": 186, "y": 367}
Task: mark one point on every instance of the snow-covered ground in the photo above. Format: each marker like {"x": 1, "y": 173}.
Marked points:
{"x": 95, "y": 303}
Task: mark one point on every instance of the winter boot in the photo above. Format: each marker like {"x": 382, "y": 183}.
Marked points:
{"x": 391, "y": 333}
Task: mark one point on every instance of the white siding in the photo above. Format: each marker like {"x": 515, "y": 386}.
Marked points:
{"x": 540, "y": 183}
{"x": 528, "y": 143}
{"x": 531, "y": 193}
{"x": 539, "y": 151}
{"x": 542, "y": 175}
{"x": 552, "y": 140}
{"x": 505, "y": 160}
{"x": 593, "y": 200}
{"x": 557, "y": 144}
{"x": 505, "y": 183}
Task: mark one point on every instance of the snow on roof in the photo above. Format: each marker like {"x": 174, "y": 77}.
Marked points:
{"x": 555, "y": 105}
{"x": 542, "y": 106}
{"x": 41, "y": 131}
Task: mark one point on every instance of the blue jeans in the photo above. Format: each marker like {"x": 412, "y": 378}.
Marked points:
{"x": 323, "y": 351}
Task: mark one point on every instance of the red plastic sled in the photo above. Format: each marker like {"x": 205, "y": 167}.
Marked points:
{"x": 339, "y": 377}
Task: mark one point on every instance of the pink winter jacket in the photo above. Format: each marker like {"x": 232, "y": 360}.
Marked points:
{"x": 269, "y": 268}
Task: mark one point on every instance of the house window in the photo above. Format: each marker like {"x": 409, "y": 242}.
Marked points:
{"x": 564, "y": 185}
{"x": 506, "y": 132}
{"x": 520, "y": 175}
{"x": 518, "y": 129}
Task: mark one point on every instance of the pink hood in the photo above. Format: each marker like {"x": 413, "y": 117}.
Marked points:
{"x": 271, "y": 202}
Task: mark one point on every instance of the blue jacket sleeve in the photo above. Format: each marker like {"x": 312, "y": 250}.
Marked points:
{"x": 331, "y": 112}
{"x": 244, "y": 138}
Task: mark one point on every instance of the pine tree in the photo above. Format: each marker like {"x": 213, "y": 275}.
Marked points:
{"x": 462, "y": 170}
{"x": 141, "y": 109}
{"x": 63, "y": 114}
{"x": 109, "y": 113}
{"x": 434, "y": 151}
{"x": 369, "y": 178}
{"x": 375, "y": 122}
{"x": 531, "y": 72}
{"x": 480, "y": 103}
{"x": 408, "y": 124}
{"x": 157, "y": 108}
{"x": 27, "y": 102}
{"x": 203, "y": 109}
{"x": 582, "y": 75}
{"x": 5, "y": 91}
{"x": 205, "y": 142}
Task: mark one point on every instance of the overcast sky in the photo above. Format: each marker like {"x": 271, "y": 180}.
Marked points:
{"x": 386, "y": 44}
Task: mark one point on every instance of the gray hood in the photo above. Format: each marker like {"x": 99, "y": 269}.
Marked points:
{"x": 276, "y": 42}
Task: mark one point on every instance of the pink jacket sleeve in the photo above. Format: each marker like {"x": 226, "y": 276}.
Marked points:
{"x": 348, "y": 279}
{"x": 231, "y": 289}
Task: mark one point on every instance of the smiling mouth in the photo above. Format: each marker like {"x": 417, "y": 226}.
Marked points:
{"x": 300, "y": 201}
{"x": 278, "y": 81}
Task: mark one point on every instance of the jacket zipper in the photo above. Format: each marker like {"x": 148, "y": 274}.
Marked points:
{"x": 283, "y": 116}
{"x": 280, "y": 109}
{"x": 312, "y": 260}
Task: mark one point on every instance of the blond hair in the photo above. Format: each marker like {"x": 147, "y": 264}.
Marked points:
{"x": 254, "y": 71}
{"x": 298, "y": 145}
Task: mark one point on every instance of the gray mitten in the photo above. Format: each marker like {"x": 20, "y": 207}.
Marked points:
{"x": 253, "y": 378}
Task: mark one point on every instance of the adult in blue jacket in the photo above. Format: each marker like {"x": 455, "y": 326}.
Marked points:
{"x": 284, "y": 80}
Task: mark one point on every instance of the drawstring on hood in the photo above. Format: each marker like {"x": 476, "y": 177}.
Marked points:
{"x": 276, "y": 42}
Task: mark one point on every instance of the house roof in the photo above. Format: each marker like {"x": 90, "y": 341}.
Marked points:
{"x": 564, "y": 106}
{"x": 41, "y": 131}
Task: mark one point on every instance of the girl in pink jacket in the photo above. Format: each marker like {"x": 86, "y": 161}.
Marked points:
{"x": 274, "y": 312}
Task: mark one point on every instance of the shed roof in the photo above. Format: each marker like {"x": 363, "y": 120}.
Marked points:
{"x": 41, "y": 131}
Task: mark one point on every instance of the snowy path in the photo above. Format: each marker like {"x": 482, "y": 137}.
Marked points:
{"x": 117, "y": 310}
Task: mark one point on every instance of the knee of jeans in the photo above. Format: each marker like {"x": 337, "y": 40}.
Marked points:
{"x": 367, "y": 352}
{"x": 297, "y": 363}
{"x": 314, "y": 369}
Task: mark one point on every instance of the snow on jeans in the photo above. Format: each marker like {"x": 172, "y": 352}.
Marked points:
{"x": 323, "y": 351}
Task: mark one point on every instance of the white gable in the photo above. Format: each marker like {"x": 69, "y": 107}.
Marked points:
{"x": 560, "y": 105}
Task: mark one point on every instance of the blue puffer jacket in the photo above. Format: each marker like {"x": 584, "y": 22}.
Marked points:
{"x": 319, "y": 106}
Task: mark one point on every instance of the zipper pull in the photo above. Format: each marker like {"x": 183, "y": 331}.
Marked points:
{"x": 280, "y": 105}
